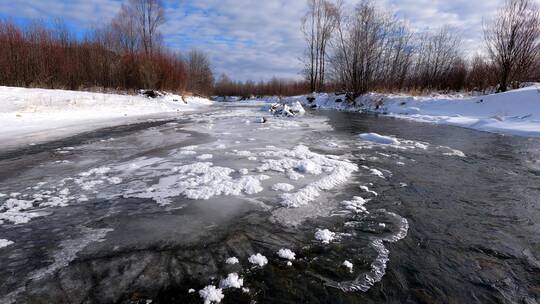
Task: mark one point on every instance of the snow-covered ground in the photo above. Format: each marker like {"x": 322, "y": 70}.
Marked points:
{"x": 515, "y": 112}
{"x": 31, "y": 115}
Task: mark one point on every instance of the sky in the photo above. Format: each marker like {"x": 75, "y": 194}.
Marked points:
{"x": 253, "y": 39}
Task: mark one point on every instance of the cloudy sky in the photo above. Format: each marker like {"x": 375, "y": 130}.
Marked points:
{"x": 252, "y": 39}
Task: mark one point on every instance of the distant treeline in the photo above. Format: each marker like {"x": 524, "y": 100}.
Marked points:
{"x": 125, "y": 54}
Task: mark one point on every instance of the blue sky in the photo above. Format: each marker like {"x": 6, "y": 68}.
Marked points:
{"x": 252, "y": 39}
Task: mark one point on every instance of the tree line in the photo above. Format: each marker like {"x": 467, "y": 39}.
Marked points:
{"x": 358, "y": 50}
{"x": 369, "y": 48}
{"x": 126, "y": 54}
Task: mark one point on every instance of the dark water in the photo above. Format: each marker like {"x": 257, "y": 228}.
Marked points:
{"x": 473, "y": 234}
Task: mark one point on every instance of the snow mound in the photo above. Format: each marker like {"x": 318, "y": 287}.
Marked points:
{"x": 325, "y": 236}
{"x": 210, "y": 294}
{"x": 286, "y": 254}
{"x": 232, "y": 261}
{"x": 231, "y": 281}
{"x": 61, "y": 113}
{"x": 5, "y": 243}
{"x": 258, "y": 259}
{"x": 348, "y": 265}
{"x": 513, "y": 112}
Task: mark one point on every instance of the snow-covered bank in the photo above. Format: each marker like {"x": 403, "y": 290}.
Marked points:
{"x": 514, "y": 112}
{"x": 32, "y": 115}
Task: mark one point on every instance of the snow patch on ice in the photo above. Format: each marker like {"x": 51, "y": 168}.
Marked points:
{"x": 200, "y": 180}
{"x": 302, "y": 159}
{"x": 205, "y": 156}
{"x": 356, "y": 205}
{"x": 380, "y": 139}
{"x": 5, "y": 243}
{"x": 283, "y": 187}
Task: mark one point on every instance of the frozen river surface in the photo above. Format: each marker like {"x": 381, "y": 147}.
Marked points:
{"x": 322, "y": 208}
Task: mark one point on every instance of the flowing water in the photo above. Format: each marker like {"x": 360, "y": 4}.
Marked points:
{"x": 151, "y": 212}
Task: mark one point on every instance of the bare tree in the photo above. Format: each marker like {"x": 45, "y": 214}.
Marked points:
{"x": 149, "y": 16}
{"x": 436, "y": 54}
{"x": 124, "y": 30}
{"x": 512, "y": 40}
{"x": 200, "y": 74}
{"x": 371, "y": 46}
{"x": 317, "y": 26}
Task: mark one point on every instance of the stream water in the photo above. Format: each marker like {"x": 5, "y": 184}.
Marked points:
{"x": 152, "y": 212}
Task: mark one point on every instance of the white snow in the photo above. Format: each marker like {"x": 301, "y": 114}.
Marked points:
{"x": 201, "y": 180}
{"x": 302, "y": 159}
{"x": 210, "y": 294}
{"x": 33, "y": 115}
{"x": 258, "y": 259}
{"x": 283, "y": 187}
{"x": 384, "y": 140}
{"x": 376, "y": 172}
{"x": 232, "y": 261}
{"x": 191, "y": 290}
{"x": 5, "y": 243}
{"x": 231, "y": 281}
{"x": 325, "y": 236}
{"x": 205, "y": 156}
{"x": 355, "y": 205}
{"x": 348, "y": 265}
{"x": 514, "y": 112}
{"x": 287, "y": 254}
{"x": 366, "y": 189}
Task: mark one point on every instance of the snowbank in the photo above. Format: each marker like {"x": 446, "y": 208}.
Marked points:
{"x": 32, "y": 115}
{"x": 514, "y": 112}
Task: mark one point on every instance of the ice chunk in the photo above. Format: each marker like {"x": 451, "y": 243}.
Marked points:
{"x": 5, "y": 243}
{"x": 210, "y": 294}
{"x": 325, "y": 236}
{"x": 380, "y": 139}
{"x": 286, "y": 254}
{"x": 232, "y": 261}
{"x": 348, "y": 265}
{"x": 231, "y": 281}
{"x": 258, "y": 259}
